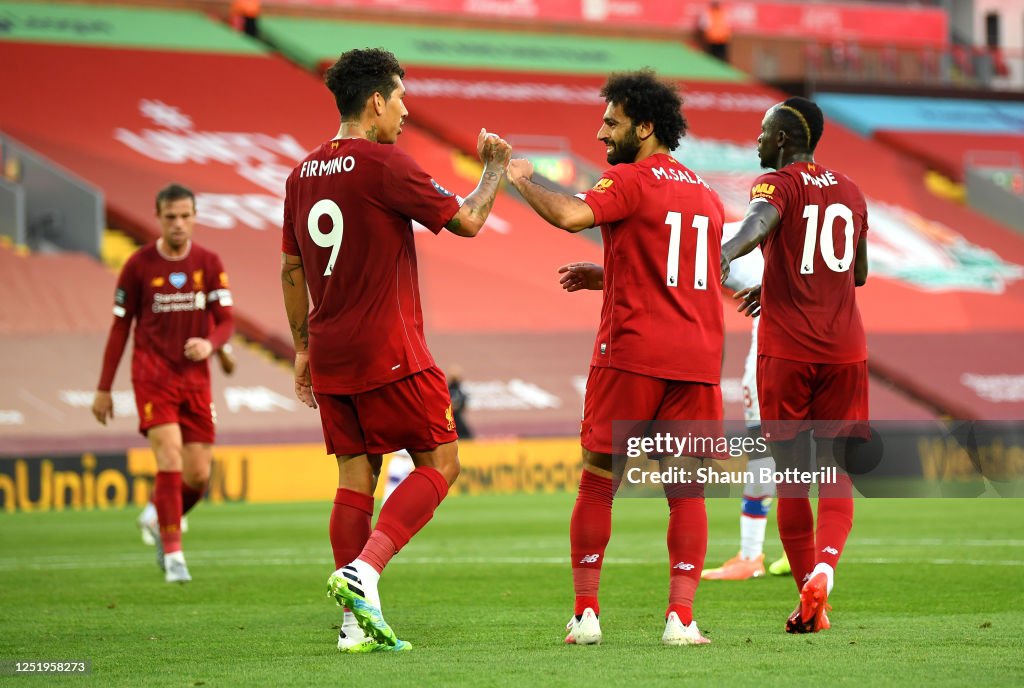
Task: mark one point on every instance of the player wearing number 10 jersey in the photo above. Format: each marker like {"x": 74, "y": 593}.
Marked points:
{"x": 349, "y": 208}
{"x": 811, "y": 223}
{"x": 658, "y": 352}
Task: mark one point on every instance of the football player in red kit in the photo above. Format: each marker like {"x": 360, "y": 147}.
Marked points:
{"x": 348, "y": 237}
{"x": 811, "y": 223}
{"x": 177, "y": 294}
{"x": 658, "y": 352}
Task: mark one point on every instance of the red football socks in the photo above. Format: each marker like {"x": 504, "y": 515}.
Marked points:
{"x": 190, "y": 496}
{"x": 796, "y": 529}
{"x": 687, "y": 545}
{"x": 167, "y": 500}
{"x": 350, "y": 524}
{"x": 835, "y": 520}
{"x": 378, "y": 550}
{"x": 590, "y": 528}
{"x": 406, "y": 511}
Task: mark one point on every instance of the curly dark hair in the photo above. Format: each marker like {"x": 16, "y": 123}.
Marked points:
{"x": 809, "y": 135}
{"x": 645, "y": 98}
{"x": 360, "y": 73}
{"x": 174, "y": 192}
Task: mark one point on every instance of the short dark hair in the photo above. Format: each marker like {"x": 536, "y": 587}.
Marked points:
{"x": 805, "y": 128}
{"x": 645, "y": 98}
{"x": 174, "y": 192}
{"x": 360, "y": 73}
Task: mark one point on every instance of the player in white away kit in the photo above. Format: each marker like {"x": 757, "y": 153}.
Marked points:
{"x": 746, "y": 272}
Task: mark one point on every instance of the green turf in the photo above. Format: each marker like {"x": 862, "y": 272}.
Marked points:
{"x": 930, "y": 592}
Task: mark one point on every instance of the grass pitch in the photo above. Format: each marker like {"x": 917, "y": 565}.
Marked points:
{"x": 929, "y": 592}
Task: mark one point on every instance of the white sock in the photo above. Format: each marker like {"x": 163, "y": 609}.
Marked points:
{"x": 754, "y": 522}
{"x": 350, "y": 626}
{"x": 829, "y": 574}
{"x": 752, "y": 536}
{"x": 369, "y": 577}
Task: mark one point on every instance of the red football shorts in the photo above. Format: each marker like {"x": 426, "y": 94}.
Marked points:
{"x": 191, "y": 409}
{"x": 414, "y": 413}
{"x": 830, "y": 398}
{"x": 618, "y": 395}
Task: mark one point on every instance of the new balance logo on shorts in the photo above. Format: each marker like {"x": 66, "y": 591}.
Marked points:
{"x": 590, "y": 559}
{"x": 683, "y": 566}
{"x": 831, "y": 550}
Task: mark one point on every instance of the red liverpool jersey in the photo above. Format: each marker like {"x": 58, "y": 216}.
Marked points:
{"x": 348, "y": 213}
{"x": 808, "y": 305}
{"x": 662, "y": 231}
{"x": 170, "y": 300}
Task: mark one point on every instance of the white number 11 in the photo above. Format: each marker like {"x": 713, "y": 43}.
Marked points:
{"x": 700, "y": 264}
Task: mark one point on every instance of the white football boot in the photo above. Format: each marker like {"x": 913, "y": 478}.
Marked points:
{"x": 585, "y": 630}
{"x": 678, "y": 634}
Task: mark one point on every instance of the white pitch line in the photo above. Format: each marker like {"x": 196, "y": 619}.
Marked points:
{"x": 107, "y": 562}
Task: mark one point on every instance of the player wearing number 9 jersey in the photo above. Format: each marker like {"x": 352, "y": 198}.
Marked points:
{"x": 348, "y": 237}
{"x": 811, "y": 223}
{"x": 658, "y": 352}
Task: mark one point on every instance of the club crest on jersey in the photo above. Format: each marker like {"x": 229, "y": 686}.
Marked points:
{"x": 197, "y": 280}
{"x": 177, "y": 279}
{"x": 440, "y": 189}
{"x": 449, "y": 416}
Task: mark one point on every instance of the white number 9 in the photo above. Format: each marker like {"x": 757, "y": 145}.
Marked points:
{"x": 333, "y": 238}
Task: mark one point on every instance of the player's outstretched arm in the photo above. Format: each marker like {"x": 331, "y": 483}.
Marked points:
{"x": 494, "y": 152}
{"x": 577, "y": 276}
{"x": 296, "y": 305}
{"x": 758, "y": 223}
{"x": 562, "y": 210}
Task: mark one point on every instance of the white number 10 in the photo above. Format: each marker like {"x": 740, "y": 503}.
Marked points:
{"x": 333, "y": 238}
{"x": 700, "y": 263}
{"x": 828, "y": 248}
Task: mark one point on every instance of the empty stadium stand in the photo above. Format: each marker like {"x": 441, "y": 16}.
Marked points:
{"x": 234, "y": 119}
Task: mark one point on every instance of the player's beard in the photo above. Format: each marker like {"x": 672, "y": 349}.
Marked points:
{"x": 625, "y": 151}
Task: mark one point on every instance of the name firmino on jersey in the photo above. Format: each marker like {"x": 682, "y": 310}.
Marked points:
{"x": 320, "y": 168}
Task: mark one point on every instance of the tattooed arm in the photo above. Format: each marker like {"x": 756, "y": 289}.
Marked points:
{"x": 296, "y": 305}
{"x": 494, "y": 153}
{"x": 562, "y": 210}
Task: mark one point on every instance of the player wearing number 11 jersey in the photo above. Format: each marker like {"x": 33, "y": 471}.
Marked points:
{"x": 811, "y": 223}
{"x": 349, "y": 208}
{"x": 658, "y": 352}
